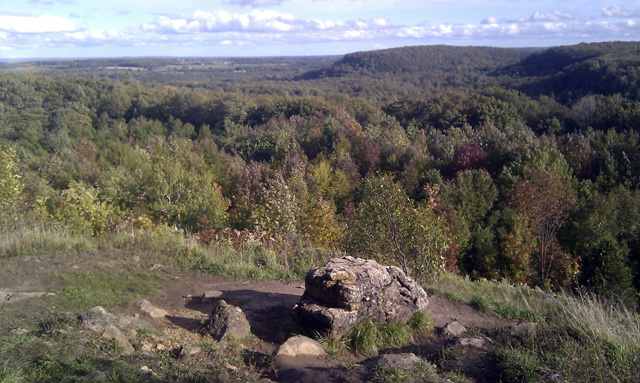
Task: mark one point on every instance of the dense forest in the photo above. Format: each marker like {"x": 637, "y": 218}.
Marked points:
{"x": 492, "y": 163}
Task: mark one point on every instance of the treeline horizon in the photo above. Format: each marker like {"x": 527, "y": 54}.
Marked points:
{"x": 523, "y": 165}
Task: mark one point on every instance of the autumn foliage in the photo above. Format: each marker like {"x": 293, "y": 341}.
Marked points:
{"x": 541, "y": 202}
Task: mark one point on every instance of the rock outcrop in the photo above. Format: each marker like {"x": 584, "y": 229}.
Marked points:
{"x": 348, "y": 290}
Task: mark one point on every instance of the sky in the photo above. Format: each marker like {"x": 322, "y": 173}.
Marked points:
{"x": 240, "y": 28}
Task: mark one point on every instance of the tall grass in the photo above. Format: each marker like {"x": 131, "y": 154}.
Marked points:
{"x": 579, "y": 336}
{"x": 502, "y": 298}
{"x": 40, "y": 239}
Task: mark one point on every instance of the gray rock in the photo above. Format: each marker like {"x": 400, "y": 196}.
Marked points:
{"x": 157, "y": 267}
{"x": 453, "y": 329}
{"x": 348, "y": 290}
{"x": 228, "y": 321}
{"x": 300, "y": 345}
{"x": 97, "y": 319}
{"x": 191, "y": 350}
{"x": 18, "y": 332}
{"x": 114, "y": 333}
{"x": 96, "y": 376}
{"x": 474, "y": 341}
{"x": 524, "y": 329}
{"x": 134, "y": 323}
{"x": 406, "y": 361}
{"x": 149, "y": 309}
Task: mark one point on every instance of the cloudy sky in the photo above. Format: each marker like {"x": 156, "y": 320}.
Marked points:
{"x": 123, "y": 28}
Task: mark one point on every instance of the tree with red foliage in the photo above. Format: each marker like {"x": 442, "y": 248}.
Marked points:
{"x": 541, "y": 201}
{"x": 469, "y": 156}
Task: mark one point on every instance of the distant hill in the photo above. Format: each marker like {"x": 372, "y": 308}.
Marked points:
{"x": 570, "y": 72}
{"x": 565, "y": 73}
{"x": 421, "y": 59}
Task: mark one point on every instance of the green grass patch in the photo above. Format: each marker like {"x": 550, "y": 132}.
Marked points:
{"x": 101, "y": 286}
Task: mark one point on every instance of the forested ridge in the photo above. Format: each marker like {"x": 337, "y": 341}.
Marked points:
{"x": 493, "y": 163}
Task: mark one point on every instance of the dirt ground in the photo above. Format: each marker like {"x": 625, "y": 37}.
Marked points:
{"x": 267, "y": 305}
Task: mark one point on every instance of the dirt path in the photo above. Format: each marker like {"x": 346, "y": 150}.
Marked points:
{"x": 267, "y": 305}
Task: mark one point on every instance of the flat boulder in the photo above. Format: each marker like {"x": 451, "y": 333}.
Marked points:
{"x": 347, "y": 290}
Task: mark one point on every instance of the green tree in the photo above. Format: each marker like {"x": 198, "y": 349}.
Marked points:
{"x": 80, "y": 209}
{"x": 391, "y": 228}
{"x": 10, "y": 185}
{"x": 181, "y": 189}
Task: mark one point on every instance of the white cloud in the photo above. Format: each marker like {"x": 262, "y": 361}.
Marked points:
{"x": 618, "y": 11}
{"x": 256, "y": 3}
{"x": 536, "y": 17}
{"x": 554, "y": 16}
{"x": 35, "y": 24}
{"x": 260, "y": 27}
{"x": 221, "y": 21}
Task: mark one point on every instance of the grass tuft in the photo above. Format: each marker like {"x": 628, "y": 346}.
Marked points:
{"x": 10, "y": 373}
{"x": 369, "y": 336}
{"x": 518, "y": 365}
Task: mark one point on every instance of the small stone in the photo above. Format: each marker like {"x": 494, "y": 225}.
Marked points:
{"x": 406, "y": 361}
{"x": 160, "y": 347}
{"x": 230, "y": 367}
{"x": 454, "y": 329}
{"x": 150, "y": 309}
{"x": 475, "y": 341}
{"x": 191, "y": 350}
{"x": 18, "y": 332}
{"x": 96, "y": 376}
{"x": 300, "y": 345}
{"x": 157, "y": 266}
{"x": 147, "y": 371}
{"x": 135, "y": 258}
{"x": 146, "y": 347}
{"x": 524, "y": 329}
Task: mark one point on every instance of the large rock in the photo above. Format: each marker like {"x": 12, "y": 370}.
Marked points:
{"x": 348, "y": 290}
{"x": 228, "y": 321}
